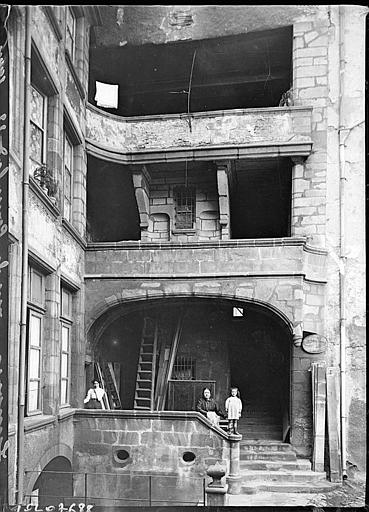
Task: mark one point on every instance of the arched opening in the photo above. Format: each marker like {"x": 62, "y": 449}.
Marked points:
{"x": 55, "y": 483}
{"x": 196, "y": 343}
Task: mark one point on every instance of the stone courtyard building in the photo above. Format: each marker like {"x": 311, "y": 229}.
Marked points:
{"x": 186, "y": 194}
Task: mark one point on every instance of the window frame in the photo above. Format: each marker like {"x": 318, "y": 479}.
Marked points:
{"x": 42, "y": 129}
{"x": 66, "y": 322}
{"x": 69, "y": 200}
{"x": 189, "y": 192}
{"x": 35, "y": 309}
{"x": 73, "y": 35}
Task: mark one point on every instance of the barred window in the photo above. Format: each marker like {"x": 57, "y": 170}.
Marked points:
{"x": 185, "y": 201}
{"x": 183, "y": 368}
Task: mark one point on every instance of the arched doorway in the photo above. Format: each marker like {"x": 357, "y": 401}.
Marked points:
{"x": 214, "y": 347}
{"x": 55, "y": 483}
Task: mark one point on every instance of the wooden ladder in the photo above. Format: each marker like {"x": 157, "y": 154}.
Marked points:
{"x": 111, "y": 387}
{"x": 145, "y": 379}
{"x": 166, "y": 361}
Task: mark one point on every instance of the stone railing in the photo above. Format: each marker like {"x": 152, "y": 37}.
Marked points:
{"x": 203, "y": 135}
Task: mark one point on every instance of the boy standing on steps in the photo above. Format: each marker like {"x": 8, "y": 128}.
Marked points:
{"x": 233, "y": 407}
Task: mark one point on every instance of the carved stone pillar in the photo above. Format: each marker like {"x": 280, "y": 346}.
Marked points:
{"x": 141, "y": 181}
{"x": 223, "y": 173}
{"x": 296, "y": 192}
{"x": 234, "y": 477}
{"x": 216, "y": 491}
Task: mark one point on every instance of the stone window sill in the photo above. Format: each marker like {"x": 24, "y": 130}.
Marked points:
{"x": 49, "y": 203}
{"x": 73, "y": 232}
{"x": 36, "y": 422}
{"x": 184, "y": 231}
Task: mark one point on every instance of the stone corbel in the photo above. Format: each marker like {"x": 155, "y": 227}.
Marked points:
{"x": 297, "y": 335}
{"x": 141, "y": 183}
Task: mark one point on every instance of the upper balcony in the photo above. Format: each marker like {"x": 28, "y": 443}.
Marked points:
{"x": 235, "y": 134}
{"x": 200, "y": 98}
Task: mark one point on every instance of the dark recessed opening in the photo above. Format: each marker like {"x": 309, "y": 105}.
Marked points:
{"x": 261, "y": 199}
{"x": 112, "y": 213}
{"x": 122, "y": 455}
{"x": 245, "y": 71}
{"x": 188, "y": 457}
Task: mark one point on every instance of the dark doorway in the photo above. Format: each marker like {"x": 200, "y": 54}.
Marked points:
{"x": 55, "y": 484}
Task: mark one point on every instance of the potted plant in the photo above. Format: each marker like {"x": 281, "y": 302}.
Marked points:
{"x": 45, "y": 179}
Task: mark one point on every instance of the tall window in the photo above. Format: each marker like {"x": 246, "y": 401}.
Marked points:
{"x": 36, "y": 314}
{"x": 185, "y": 200}
{"x": 68, "y": 178}
{"x": 70, "y": 36}
{"x": 38, "y": 119}
{"x": 66, "y": 329}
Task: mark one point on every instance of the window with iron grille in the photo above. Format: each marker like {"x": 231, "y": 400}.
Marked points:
{"x": 185, "y": 200}
{"x": 183, "y": 368}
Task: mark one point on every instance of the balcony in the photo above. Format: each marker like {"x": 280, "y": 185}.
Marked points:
{"x": 227, "y": 258}
{"x": 235, "y": 134}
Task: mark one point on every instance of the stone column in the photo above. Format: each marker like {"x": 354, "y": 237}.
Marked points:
{"x": 234, "y": 477}
{"x": 296, "y": 193}
{"x": 223, "y": 171}
{"x": 141, "y": 181}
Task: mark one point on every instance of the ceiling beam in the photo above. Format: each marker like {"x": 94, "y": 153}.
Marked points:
{"x": 178, "y": 86}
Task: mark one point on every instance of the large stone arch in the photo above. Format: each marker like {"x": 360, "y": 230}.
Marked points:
{"x": 110, "y": 309}
{"x": 59, "y": 450}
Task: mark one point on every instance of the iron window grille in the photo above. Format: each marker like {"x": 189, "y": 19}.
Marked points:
{"x": 183, "y": 368}
{"x": 185, "y": 201}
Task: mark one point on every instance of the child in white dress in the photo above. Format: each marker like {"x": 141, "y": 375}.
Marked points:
{"x": 233, "y": 407}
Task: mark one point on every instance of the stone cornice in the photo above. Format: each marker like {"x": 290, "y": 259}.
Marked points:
{"x": 234, "y": 152}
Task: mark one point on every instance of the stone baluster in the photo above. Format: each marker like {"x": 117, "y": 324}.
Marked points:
{"x": 216, "y": 491}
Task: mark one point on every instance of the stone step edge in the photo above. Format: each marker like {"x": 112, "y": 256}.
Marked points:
{"x": 274, "y": 464}
{"x": 296, "y": 488}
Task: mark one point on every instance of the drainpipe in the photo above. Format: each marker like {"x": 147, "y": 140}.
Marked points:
{"x": 342, "y": 134}
{"x": 24, "y": 281}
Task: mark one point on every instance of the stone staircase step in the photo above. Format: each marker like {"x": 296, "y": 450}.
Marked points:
{"x": 275, "y": 465}
{"x": 261, "y": 486}
{"x": 266, "y": 436}
{"x": 264, "y": 445}
{"x": 284, "y": 476}
{"x": 270, "y": 455}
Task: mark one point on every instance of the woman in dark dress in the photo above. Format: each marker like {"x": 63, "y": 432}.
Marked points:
{"x": 209, "y": 407}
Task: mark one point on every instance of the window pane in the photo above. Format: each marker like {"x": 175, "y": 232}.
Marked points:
{"x": 37, "y": 287}
{"x": 68, "y": 151}
{"x": 33, "y": 396}
{"x": 36, "y": 143}
{"x": 34, "y": 364}
{"x": 35, "y": 331}
{"x": 66, "y": 302}
{"x": 37, "y": 107}
{"x": 64, "y": 365}
{"x": 67, "y": 184}
{"x": 65, "y": 338}
{"x": 64, "y": 392}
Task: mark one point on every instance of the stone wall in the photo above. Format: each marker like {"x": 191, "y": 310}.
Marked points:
{"x": 155, "y": 443}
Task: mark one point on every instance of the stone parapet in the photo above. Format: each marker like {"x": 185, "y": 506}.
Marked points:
{"x": 288, "y": 130}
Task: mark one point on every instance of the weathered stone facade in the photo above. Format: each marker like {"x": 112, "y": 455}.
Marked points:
{"x": 310, "y": 279}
